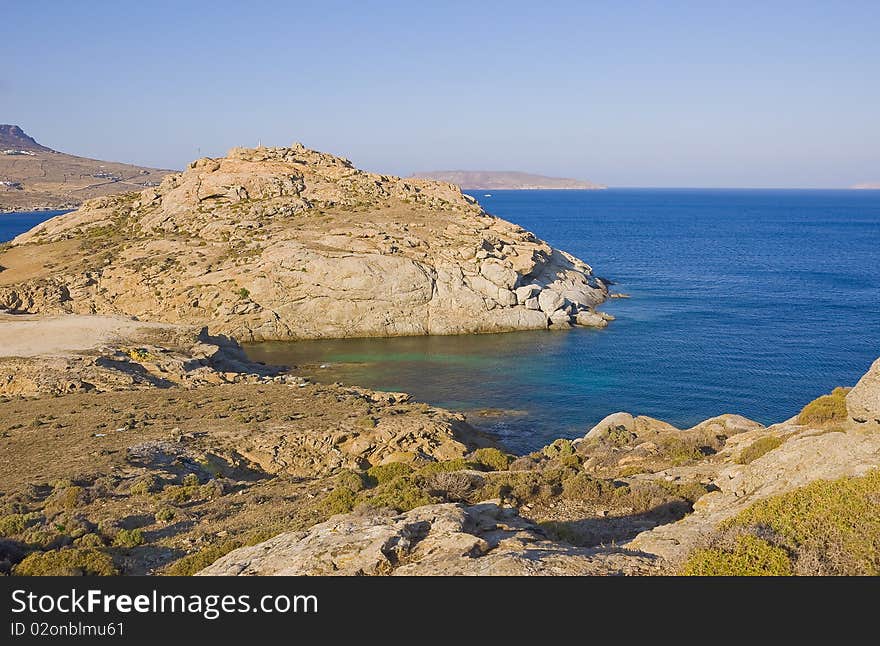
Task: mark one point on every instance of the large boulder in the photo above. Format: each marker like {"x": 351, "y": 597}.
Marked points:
{"x": 863, "y": 401}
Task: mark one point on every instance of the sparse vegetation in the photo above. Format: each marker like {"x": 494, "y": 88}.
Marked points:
{"x": 827, "y": 527}
{"x": 747, "y": 556}
{"x": 243, "y": 293}
{"x": 826, "y": 409}
{"x": 758, "y": 448}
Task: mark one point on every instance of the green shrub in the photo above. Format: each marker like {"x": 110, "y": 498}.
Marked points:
{"x": 758, "y": 448}
{"x": 678, "y": 451}
{"x": 89, "y": 540}
{"x": 339, "y": 501}
{"x": 750, "y": 556}
{"x": 129, "y": 538}
{"x": 165, "y": 515}
{"x": 243, "y": 293}
{"x": 351, "y": 480}
{"x": 69, "y": 498}
{"x": 191, "y": 480}
{"x": 827, "y": 527}
{"x": 145, "y": 485}
{"x": 584, "y": 487}
{"x": 558, "y": 448}
{"x": 825, "y": 409}
{"x": 491, "y": 459}
{"x": 387, "y": 472}
{"x": 447, "y": 466}
{"x": 12, "y": 524}
{"x": 67, "y": 562}
{"x": 400, "y": 494}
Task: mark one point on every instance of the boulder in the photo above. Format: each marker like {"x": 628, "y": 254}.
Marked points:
{"x": 613, "y": 421}
{"x": 550, "y": 301}
{"x": 586, "y": 318}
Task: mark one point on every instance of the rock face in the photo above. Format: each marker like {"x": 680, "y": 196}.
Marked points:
{"x": 863, "y": 401}
{"x": 289, "y": 243}
{"x": 434, "y": 540}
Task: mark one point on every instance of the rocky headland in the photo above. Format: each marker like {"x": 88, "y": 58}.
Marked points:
{"x": 137, "y": 438}
{"x": 290, "y": 243}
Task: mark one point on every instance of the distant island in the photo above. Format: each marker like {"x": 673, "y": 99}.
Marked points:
{"x": 505, "y": 180}
{"x": 867, "y": 186}
{"x": 34, "y": 177}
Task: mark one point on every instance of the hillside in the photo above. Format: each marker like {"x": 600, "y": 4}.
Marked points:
{"x": 34, "y": 177}
{"x": 505, "y": 180}
{"x": 286, "y": 243}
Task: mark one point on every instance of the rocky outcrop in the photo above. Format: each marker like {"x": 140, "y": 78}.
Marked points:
{"x": 803, "y": 456}
{"x": 863, "y": 401}
{"x": 58, "y": 355}
{"x": 287, "y": 243}
{"x": 434, "y": 540}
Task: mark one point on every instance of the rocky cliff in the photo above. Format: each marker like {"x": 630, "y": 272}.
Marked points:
{"x": 287, "y": 243}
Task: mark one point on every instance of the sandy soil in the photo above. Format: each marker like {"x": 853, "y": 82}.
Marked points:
{"x": 24, "y": 335}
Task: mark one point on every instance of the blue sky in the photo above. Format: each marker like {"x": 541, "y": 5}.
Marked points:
{"x": 625, "y": 93}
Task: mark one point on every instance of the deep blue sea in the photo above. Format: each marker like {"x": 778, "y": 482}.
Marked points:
{"x": 11, "y": 224}
{"x": 745, "y": 301}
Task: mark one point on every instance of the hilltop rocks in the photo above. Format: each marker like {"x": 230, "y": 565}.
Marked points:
{"x": 434, "y": 540}
{"x": 863, "y": 401}
{"x": 287, "y": 243}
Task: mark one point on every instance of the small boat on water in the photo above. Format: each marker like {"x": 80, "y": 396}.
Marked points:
{"x": 487, "y": 195}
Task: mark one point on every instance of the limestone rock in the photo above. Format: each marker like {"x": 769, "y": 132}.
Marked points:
{"x": 587, "y": 318}
{"x": 550, "y": 301}
{"x": 863, "y": 401}
{"x": 287, "y": 243}
{"x": 434, "y": 540}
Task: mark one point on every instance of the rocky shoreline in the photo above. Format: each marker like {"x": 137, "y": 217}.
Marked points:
{"x": 137, "y": 438}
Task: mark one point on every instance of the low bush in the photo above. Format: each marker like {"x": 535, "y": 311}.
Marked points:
{"x": 67, "y": 562}
{"x": 387, "y": 472}
{"x": 758, "y": 448}
{"x": 749, "y": 556}
{"x": 129, "y": 538}
{"x": 825, "y": 409}
{"x": 491, "y": 459}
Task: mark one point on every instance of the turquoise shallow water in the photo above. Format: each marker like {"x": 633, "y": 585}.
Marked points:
{"x": 752, "y": 302}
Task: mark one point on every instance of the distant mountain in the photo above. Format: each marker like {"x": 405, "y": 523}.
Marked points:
{"x": 14, "y": 138}
{"x": 868, "y": 185}
{"x": 500, "y": 180}
{"x": 34, "y": 177}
